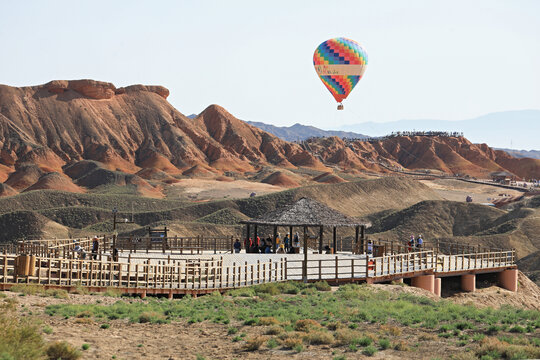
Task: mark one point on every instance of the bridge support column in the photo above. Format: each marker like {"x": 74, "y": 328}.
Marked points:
{"x": 426, "y": 282}
{"x": 143, "y": 295}
{"x": 508, "y": 279}
{"x": 468, "y": 282}
{"x": 170, "y": 295}
{"x": 437, "y": 287}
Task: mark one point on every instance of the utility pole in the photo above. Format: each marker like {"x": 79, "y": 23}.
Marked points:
{"x": 126, "y": 221}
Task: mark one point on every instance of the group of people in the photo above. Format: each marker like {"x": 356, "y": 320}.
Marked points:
{"x": 415, "y": 243}
{"x": 265, "y": 246}
{"x": 79, "y": 250}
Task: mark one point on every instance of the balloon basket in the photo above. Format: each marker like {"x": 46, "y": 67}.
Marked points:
{"x": 340, "y": 107}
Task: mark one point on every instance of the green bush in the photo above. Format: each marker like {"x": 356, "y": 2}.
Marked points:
{"x": 322, "y": 286}
{"x": 105, "y": 326}
{"x": 62, "y": 350}
{"x": 48, "y": 330}
{"x": 272, "y": 343}
{"x": 232, "y": 330}
{"x": 369, "y": 350}
{"x": 319, "y": 338}
{"x": 384, "y": 344}
{"x": 364, "y": 341}
{"x": 85, "y": 347}
{"x": 254, "y": 343}
{"x": 19, "y": 338}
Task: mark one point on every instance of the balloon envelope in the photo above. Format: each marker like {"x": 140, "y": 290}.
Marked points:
{"x": 340, "y": 64}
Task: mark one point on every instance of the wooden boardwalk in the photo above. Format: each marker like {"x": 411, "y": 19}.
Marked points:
{"x": 196, "y": 274}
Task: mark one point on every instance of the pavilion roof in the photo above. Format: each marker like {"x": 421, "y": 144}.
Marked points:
{"x": 306, "y": 212}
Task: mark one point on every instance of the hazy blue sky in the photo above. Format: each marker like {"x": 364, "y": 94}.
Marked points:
{"x": 427, "y": 59}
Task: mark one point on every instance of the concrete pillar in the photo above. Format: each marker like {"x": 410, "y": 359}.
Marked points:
{"x": 468, "y": 282}
{"x": 143, "y": 295}
{"x": 426, "y": 282}
{"x": 437, "y": 288}
{"x": 170, "y": 295}
{"x": 508, "y": 279}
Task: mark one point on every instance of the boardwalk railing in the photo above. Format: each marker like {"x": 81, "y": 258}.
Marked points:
{"x": 201, "y": 274}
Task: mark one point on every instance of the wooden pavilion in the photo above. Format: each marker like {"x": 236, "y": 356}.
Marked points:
{"x": 306, "y": 213}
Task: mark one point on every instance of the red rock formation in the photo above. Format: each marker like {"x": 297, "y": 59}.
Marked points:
{"x": 279, "y": 178}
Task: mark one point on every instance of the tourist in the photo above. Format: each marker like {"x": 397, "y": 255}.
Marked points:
{"x": 281, "y": 249}
{"x": 287, "y": 243}
{"x": 411, "y": 243}
{"x": 95, "y": 247}
{"x": 296, "y": 244}
{"x": 257, "y": 245}
{"x": 268, "y": 244}
{"x": 370, "y": 247}
{"x": 278, "y": 241}
{"x": 419, "y": 242}
{"x": 237, "y": 246}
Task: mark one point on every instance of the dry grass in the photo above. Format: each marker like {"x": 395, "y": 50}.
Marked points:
{"x": 319, "y": 338}
{"x": 390, "y": 330}
{"x": 495, "y": 348}
{"x": 274, "y": 330}
{"x": 306, "y": 325}
{"x": 347, "y": 337}
{"x": 265, "y": 321}
{"x": 254, "y": 343}
{"x": 291, "y": 340}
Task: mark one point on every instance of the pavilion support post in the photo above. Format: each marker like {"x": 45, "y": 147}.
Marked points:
{"x": 255, "y": 234}
{"x": 356, "y": 234}
{"x": 321, "y": 240}
{"x": 363, "y": 237}
{"x": 274, "y": 240}
{"x": 304, "y": 265}
{"x": 334, "y": 240}
{"x": 246, "y": 240}
{"x": 290, "y": 234}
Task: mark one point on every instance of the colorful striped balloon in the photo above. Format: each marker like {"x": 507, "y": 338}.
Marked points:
{"x": 340, "y": 63}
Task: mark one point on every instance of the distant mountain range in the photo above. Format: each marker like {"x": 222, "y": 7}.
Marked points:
{"x": 534, "y": 154}
{"x": 303, "y": 132}
{"x": 507, "y": 129}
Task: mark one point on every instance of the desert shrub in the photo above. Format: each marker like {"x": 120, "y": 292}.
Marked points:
{"x": 19, "y": 338}
{"x": 319, "y": 338}
{"x": 298, "y": 348}
{"x": 364, "y": 341}
{"x": 80, "y": 290}
{"x": 84, "y": 314}
{"x": 384, "y": 344}
{"x": 232, "y": 330}
{"x": 58, "y": 293}
{"x": 105, "y": 326}
{"x": 290, "y": 287}
{"x": 426, "y": 337}
{"x": 62, "y": 350}
{"x": 390, "y": 330}
{"x": 252, "y": 321}
{"x": 112, "y": 292}
{"x": 265, "y": 321}
{"x": 496, "y": 349}
{"x": 493, "y": 329}
{"x": 291, "y": 341}
{"x": 274, "y": 330}
{"x": 401, "y": 346}
{"x": 518, "y": 329}
{"x": 334, "y": 325}
{"x": 241, "y": 292}
{"x": 308, "y": 291}
{"x": 369, "y": 350}
{"x": 306, "y": 325}
{"x": 347, "y": 337}
{"x": 152, "y": 317}
{"x": 28, "y": 289}
{"x": 268, "y": 288}
{"x": 322, "y": 286}
{"x": 272, "y": 343}
{"x": 254, "y": 343}
{"x": 48, "y": 330}
{"x": 85, "y": 347}
{"x": 83, "y": 321}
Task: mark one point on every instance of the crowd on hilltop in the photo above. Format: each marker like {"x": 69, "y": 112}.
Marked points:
{"x": 266, "y": 246}
{"x": 394, "y": 134}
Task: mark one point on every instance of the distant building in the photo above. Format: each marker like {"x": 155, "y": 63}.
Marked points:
{"x": 501, "y": 177}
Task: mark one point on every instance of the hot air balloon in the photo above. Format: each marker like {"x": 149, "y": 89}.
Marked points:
{"x": 340, "y": 64}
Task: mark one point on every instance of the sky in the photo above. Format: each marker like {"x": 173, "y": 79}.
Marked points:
{"x": 428, "y": 59}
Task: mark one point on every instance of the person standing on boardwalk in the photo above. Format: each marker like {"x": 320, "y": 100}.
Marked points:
{"x": 237, "y": 246}
{"x": 95, "y": 247}
{"x": 296, "y": 244}
{"x": 411, "y": 243}
{"x": 419, "y": 242}
{"x": 287, "y": 243}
